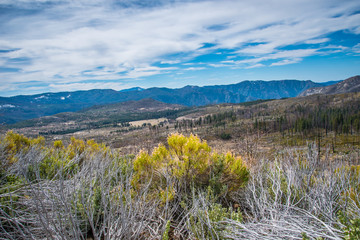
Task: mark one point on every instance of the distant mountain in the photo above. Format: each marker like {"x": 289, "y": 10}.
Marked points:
{"x": 134, "y": 89}
{"x": 18, "y": 108}
{"x": 22, "y": 107}
{"x": 234, "y": 93}
{"x": 143, "y": 105}
{"x": 348, "y": 85}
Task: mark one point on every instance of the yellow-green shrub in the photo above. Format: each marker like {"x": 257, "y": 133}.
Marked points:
{"x": 56, "y": 162}
{"x": 55, "y": 158}
{"x": 58, "y": 144}
{"x": 229, "y": 171}
{"x": 188, "y": 162}
{"x": 15, "y": 143}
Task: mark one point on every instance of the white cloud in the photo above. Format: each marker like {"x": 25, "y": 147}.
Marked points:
{"x": 194, "y": 68}
{"x": 170, "y": 61}
{"x": 286, "y": 61}
{"x": 289, "y": 56}
{"x": 216, "y": 65}
{"x": 317, "y": 40}
{"x": 255, "y": 66}
{"x": 72, "y": 39}
{"x": 356, "y": 48}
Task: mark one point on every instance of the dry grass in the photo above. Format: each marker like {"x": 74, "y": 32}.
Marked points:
{"x": 148, "y": 121}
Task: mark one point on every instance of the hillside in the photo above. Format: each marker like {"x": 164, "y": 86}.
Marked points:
{"x": 222, "y": 169}
{"x": 143, "y": 105}
{"x": 101, "y": 116}
{"x": 348, "y": 85}
{"x": 148, "y": 121}
{"x": 18, "y": 108}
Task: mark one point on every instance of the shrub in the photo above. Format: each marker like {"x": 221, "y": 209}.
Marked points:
{"x": 15, "y": 143}
{"x": 225, "y": 136}
{"x": 189, "y": 163}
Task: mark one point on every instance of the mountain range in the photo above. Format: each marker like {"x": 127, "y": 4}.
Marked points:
{"x": 22, "y": 107}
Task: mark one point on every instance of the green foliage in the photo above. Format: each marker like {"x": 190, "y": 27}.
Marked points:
{"x": 57, "y": 159}
{"x": 206, "y": 223}
{"x": 15, "y": 143}
{"x": 352, "y": 230}
{"x": 9, "y": 183}
{"x": 189, "y": 162}
{"x": 340, "y": 120}
{"x": 165, "y": 235}
{"x": 218, "y": 213}
{"x": 58, "y": 144}
{"x": 57, "y": 163}
{"x": 225, "y": 136}
{"x": 304, "y": 236}
{"x": 352, "y": 226}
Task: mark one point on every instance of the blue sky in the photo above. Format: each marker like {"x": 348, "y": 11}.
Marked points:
{"x": 66, "y": 45}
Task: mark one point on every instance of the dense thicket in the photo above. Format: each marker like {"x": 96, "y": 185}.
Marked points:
{"x": 180, "y": 190}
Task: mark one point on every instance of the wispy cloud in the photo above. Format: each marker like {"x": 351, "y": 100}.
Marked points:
{"x": 194, "y": 68}
{"x": 255, "y": 66}
{"x": 286, "y": 61}
{"x": 356, "y": 48}
{"x": 60, "y": 42}
{"x": 281, "y": 58}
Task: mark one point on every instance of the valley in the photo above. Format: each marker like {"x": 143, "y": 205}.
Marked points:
{"x": 264, "y": 126}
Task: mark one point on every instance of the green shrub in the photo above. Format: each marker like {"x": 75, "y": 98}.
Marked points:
{"x": 15, "y": 143}
{"x": 207, "y": 223}
{"x": 225, "y": 136}
{"x": 189, "y": 163}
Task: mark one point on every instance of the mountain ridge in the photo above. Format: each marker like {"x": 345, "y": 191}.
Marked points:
{"x": 351, "y": 84}
{"x": 22, "y": 107}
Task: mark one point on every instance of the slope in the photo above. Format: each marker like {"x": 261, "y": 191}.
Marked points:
{"x": 348, "y": 85}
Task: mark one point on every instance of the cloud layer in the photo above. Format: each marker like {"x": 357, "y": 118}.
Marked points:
{"x": 63, "y": 43}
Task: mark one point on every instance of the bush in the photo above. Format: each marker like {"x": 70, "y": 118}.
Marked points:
{"x": 225, "y": 136}
{"x": 189, "y": 163}
{"x": 15, "y": 143}
{"x": 78, "y": 191}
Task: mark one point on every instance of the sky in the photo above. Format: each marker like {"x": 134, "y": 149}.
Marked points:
{"x": 69, "y": 45}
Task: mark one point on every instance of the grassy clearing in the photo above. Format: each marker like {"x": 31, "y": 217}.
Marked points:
{"x": 148, "y": 121}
